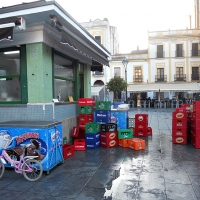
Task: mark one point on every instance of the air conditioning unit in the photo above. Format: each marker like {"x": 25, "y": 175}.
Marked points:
{"x": 20, "y": 24}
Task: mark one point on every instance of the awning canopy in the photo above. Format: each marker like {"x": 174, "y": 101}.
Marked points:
{"x": 85, "y": 47}
{"x": 167, "y": 87}
{"x": 96, "y": 66}
{"x": 96, "y": 89}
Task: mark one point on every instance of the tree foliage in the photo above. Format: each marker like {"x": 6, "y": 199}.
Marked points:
{"x": 117, "y": 84}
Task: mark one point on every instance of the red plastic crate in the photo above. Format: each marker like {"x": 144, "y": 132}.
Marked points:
{"x": 176, "y": 132}
{"x": 109, "y": 135}
{"x": 79, "y": 144}
{"x": 179, "y": 123}
{"x": 85, "y": 118}
{"x": 195, "y": 124}
{"x": 196, "y": 105}
{"x": 109, "y": 143}
{"x": 195, "y": 141}
{"x": 137, "y": 144}
{"x": 141, "y": 132}
{"x": 86, "y": 102}
{"x": 195, "y": 114}
{"x": 68, "y": 151}
{"x": 149, "y": 131}
{"x": 179, "y": 115}
{"x": 141, "y": 124}
{"x": 77, "y": 132}
{"x": 141, "y": 117}
{"x": 179, "y": 140}
{"x": 195, "y": 132}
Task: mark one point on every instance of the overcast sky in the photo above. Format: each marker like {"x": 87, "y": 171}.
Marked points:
{"x": 133, "y": 18}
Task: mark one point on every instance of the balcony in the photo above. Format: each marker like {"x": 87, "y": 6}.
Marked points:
{"x": 160, "y": 78}
{"x": 138, "y": 79}
{"x": 160, "y": 54}
{"x": 180, "y": 77}
{"x": 195, "y": 53}
{"x": 97, "y": 73}
{"x": 195, "y": 77}
{"x": 179, "y": 53}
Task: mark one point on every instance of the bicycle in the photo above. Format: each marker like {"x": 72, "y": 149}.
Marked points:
{"x": 27, "y": 165}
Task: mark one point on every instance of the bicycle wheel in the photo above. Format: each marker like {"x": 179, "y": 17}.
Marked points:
{"x": 2, "y": 168}
{"x": 32, "y": 170}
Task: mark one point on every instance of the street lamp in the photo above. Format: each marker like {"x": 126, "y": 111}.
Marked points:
{"x": 125, "y": 63}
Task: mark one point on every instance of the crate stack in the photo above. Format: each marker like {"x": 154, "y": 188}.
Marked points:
{"x": 109, "y": 135}
{"x": 92, "y": 135}
{"x": 85, "y": 111}
{"x": 85, "y": 115}
{"x": 195, "y": 125}
{"x": 179, "y": 126}
{"x": 124, "y": 135}
{"x": 187, "y": 107}
{"x": 141, "y": 125}
{"x": 102, "y": 112}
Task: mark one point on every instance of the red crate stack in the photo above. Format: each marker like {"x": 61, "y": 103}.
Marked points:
{"x": 85, "y": 111}
{"x": 141, "y": 125}
{"x": 179, "y": 126}
{"x": 109, "y": 135}
{"x": 195, "y": 125}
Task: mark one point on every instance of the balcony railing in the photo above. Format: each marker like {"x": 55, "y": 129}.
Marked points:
{"x": 179, "y": 53}
{"x": 160, "y": 78}
{"x": 195, "y": 77}
{"x": 97, "y": 73}
{"x": 195, "y": 53}
{"x": 160, "y": 55}
{"x": 138, "y": 79}
{"x": 180, "y": 77}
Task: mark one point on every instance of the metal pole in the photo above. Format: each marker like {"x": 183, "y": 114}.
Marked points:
{"x": 126, "y": 82}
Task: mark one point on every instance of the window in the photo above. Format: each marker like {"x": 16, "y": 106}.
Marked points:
{"x": 159, "y": 51}
{"x": 195, "y": 73}
{"x": 179, "y": 74}
{"x": 10, "y": 88}
{"x": 117, "y": 71}
{"x": 194, "y": 49}
{"x": 179, "y": 50}
{"x": 160, "y": 74}
{"x": 138, "y": 74}
{"x": 63, "y": 78}
{"x": 98, "y": 38}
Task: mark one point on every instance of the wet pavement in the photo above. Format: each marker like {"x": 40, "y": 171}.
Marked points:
{"x": 163, "y": 171}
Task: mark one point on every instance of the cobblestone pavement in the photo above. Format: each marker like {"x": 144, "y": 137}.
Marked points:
{"x": 163, "y": 171}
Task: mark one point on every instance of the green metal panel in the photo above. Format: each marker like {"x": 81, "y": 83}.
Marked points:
{"x": 87, "y": 80}
{"x": 39, "y": 73}
{"x": 77, "y": 82}
{"x": 23, "y": 73}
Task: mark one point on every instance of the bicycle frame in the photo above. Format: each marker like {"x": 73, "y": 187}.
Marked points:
{"x": 18, "y": 164}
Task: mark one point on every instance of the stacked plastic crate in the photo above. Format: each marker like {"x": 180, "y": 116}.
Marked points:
{"x": 102, "y": 112}
{"x": 124, "y": 135}
{"x": 92, "y": 135}
{"x": 179, "y": 126}
{"x": 85, "y": 115}
{"x": 195, "y": 125}
{"x": 141, "y": 125}
{"x": 109, "y": 135}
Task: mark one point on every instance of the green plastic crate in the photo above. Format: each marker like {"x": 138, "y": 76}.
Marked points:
{"x": 103, "y": 105}
{"x": 92, "y": 127}
{"x": 125, "y": 133}
{"x": 85, "y": 109}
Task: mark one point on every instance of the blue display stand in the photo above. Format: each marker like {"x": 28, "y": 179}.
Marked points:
{"x": 119, "y": 117}
{"x": 47, "y": 134}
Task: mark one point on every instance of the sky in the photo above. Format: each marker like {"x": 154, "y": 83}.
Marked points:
{"x": 133, "y": 18}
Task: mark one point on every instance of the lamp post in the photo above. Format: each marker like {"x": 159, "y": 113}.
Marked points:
{"x": 125, "y": 63}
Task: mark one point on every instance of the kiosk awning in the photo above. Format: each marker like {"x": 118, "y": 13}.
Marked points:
{"x": 96, "y": 89}
{"x": 167, "y": 87}
{"x": 85, "y": 47}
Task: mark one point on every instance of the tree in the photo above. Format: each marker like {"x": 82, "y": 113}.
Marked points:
{"x": 117, "y": 85}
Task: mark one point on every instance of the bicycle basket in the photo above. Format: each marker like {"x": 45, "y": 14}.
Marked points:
{"x": 4, "y": 142}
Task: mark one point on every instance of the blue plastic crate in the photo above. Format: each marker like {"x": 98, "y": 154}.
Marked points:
{"x": 92, "y": 137}
{"x": 92, "y": 144}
